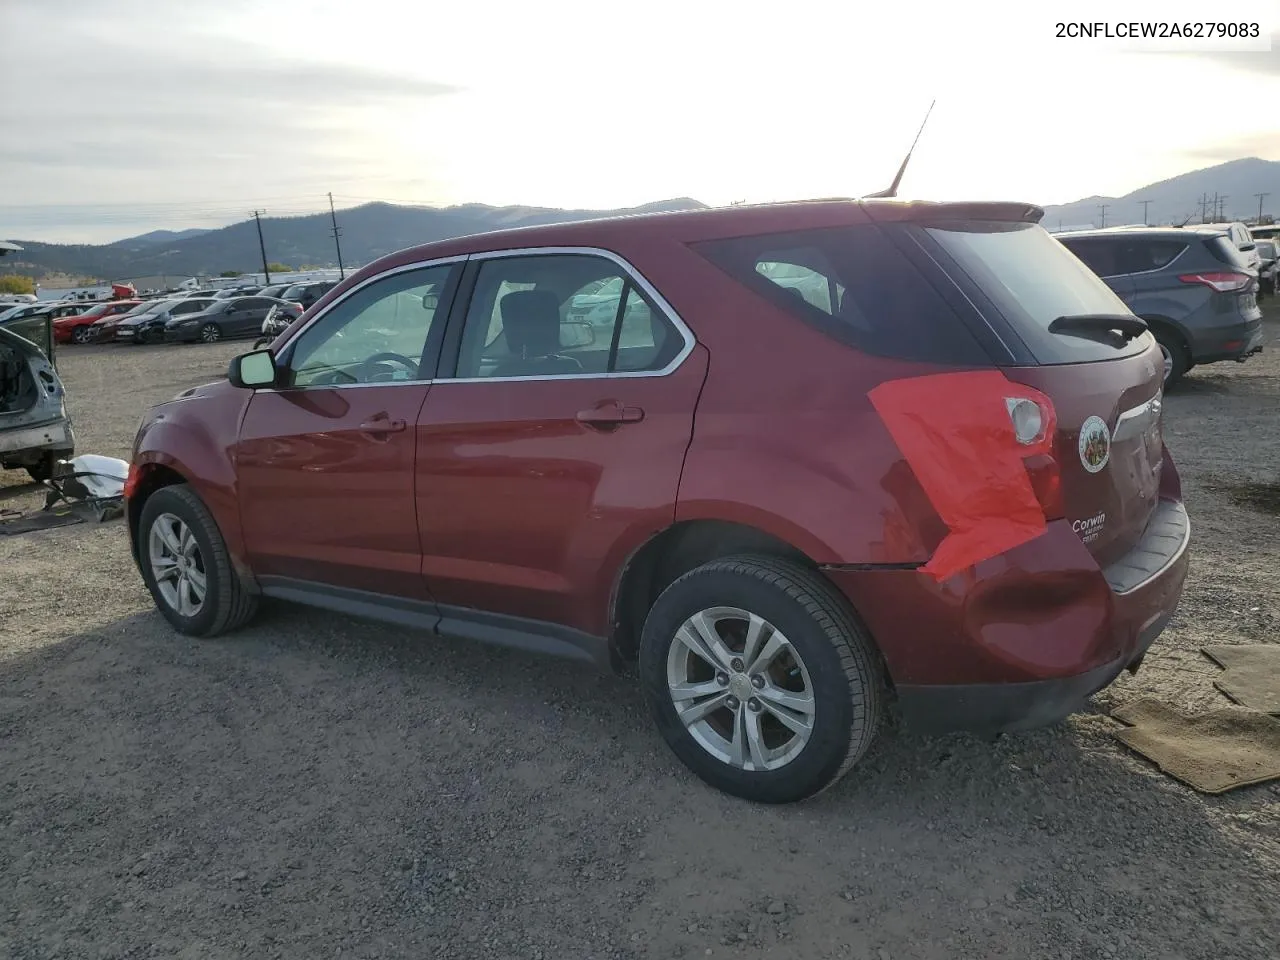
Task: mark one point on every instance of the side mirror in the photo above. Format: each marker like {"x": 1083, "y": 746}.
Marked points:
{"x": 253, "y": 370}
{"x": 577, "y": 334}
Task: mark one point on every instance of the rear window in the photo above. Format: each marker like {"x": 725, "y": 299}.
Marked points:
{"x": 1224, "y": 251}
{"x": 1030, "y": 280}
{"x": 855, "y": 285}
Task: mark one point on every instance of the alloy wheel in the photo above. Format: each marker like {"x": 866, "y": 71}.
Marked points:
{"x": 177, "y": 565}
{"x": 1168, "y": 361}
{"x": 741, "y": 689}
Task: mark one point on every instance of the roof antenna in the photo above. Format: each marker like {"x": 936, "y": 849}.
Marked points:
{"x": 893, "y": 187}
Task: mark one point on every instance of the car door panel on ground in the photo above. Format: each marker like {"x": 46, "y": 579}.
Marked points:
{"x": 551, "y": 443}
{"x": 337, "y": 440}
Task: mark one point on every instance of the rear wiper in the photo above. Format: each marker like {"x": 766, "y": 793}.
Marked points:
{"x": 1082, "y": 324}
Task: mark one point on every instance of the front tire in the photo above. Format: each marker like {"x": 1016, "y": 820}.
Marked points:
{"x": 760, "y": 679}
{"x": 186, "y": 566}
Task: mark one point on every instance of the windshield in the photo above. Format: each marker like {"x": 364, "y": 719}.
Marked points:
{"x": 1031, "y": 280}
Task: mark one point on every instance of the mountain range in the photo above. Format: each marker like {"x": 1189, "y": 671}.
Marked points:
{"x": 367, "y": 232}
{"x": 374, "y": 229}
{"x": 1237, "y": 183}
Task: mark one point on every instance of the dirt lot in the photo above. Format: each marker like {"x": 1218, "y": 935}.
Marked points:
{"x": 321, "y": 787}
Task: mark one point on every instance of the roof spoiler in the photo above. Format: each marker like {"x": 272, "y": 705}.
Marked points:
{"x": 897, "y": 180}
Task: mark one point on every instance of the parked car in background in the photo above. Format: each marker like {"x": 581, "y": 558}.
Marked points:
{"x": 78, "y": 328}
{"x": 150, "y": 327}
{"x": 203, "y": 292}
{"x": 1191, "y": 285}
{"x": 60, "y": 309}
{"x": 308, "y": 292}
{"x": 439, "y": 444}
{"x": 275, "y": 290}
{"x": 20, "y": 309}
{"x": 1242, "y": 239}
{"x": 245, "y": 291}
{"x": 1267, "y": 266}
{"x": 104, "y": 328}
{"x": 220, "y": 320}
{"x": 35, "y": 430}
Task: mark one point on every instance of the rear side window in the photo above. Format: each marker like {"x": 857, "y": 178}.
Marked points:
{"x": 855, "y": 285}
{"x": 1031, "y": 280}
{"x": 1226, "y": 252}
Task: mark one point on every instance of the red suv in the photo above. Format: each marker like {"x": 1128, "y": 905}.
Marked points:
{"x": 827, "y": 459}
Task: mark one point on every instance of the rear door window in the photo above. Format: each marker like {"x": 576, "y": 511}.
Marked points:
{"x": 1141, "y": 255}
{"x": 856, "y": 285}
{"x": 561, "y": 315}
{"x": 1030, "y": 280}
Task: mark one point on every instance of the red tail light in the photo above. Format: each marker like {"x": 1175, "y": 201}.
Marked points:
{"x": 1222, "y": 282}
{"x": 1034, "y": 426}
{"x": 132, "y": 480}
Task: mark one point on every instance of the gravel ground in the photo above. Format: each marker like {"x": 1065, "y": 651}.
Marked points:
{"x": 318, "y": 786}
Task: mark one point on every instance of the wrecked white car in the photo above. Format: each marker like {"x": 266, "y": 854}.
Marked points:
{"x": 35, "y": 431}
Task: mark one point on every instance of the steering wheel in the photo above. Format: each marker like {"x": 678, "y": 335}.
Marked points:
{"x": 387, "y": 357}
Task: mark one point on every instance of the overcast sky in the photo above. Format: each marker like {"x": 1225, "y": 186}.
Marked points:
{"x": 119, "y": 116}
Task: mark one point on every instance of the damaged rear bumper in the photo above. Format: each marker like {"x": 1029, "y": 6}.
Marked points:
{"x": 1010, "y": 707}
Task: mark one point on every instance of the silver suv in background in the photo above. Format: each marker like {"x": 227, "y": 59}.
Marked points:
{"x": 1192, "y": 285}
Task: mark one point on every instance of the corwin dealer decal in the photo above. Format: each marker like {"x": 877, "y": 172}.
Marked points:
{"x": 1095, "y": 444}
{"x": 1091, "y": 528}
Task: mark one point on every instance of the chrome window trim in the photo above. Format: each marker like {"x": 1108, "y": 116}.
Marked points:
{"x": 636, "y": 277}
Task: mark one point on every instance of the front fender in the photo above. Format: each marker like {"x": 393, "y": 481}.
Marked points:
{"x": 195, "y": 438}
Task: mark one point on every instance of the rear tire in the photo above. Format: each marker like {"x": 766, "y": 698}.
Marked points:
{"x": 170, "y": 514}
{"x": 1176, "y": 362}
{"x": 210, "y": 333}
{"x": 769, "y": 728}
{"x": 81, "y": 335}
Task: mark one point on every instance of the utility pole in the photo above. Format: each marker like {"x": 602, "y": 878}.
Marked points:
{"x": 1260, "y": 197}
{"x": 1103, "y": 208}
{"x": 263, "y": 247}
{"x": 336, "y": 233}
{"x": 1204, "y": 200}
{"x": 1221, "y": 213}
{"x": 1145, "y": 204}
